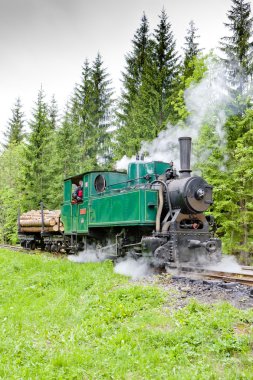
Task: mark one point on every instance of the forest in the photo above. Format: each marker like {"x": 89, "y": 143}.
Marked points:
{"x": 163, "y": 94}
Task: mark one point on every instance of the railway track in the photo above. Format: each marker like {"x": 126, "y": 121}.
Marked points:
{"x": 241, "y": 278}
{"x": 12, "y": 247}
{"x": 245, "y": 277}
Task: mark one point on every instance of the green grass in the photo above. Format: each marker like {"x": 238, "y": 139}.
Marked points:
{"x": 62, "y": 320}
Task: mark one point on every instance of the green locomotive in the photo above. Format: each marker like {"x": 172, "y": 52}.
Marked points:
{"x": 150, "y": 210}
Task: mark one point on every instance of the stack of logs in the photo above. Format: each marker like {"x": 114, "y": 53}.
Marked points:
{"x": 31, "y": 221}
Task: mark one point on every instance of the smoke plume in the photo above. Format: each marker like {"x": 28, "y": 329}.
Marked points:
{"x": 203, "y": 100}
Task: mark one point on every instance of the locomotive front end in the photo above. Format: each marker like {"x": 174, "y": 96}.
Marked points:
{"x": 184, "y": 236}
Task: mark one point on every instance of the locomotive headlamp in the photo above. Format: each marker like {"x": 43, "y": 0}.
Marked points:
{"x": 211, "y": 246}
{"x": 200, "y": 193}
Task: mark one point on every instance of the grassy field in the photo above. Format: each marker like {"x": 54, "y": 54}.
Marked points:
{"x": 63, "y": 320}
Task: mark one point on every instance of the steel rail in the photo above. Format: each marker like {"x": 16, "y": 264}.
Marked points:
{"x": 241, "y": 278}
{"x": 13, "y": 247}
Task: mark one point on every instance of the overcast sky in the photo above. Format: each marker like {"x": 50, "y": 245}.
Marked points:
{"x": 45, "y": 42}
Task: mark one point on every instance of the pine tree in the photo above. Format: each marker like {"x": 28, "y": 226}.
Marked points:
{"x": 191, "y": 71}
{"x": 147, "y": 112}
{"x": 81, "y": 103}
{"x": 80, "y": 121}
{"x": 102, "y": 102}
{"x": 191, "y": 49}
{"x": 187, "y": 79}
{"x": 15, "y": 129}
{"x": 12, "y": 197}
{"x": 132, "y": 81}
{"x": 53, "y": 114}
{"x": 38, "y": 157}
{"x": 135, "y": 61}
{"x": 209, "y": 153}
{"x": 68, "y": 145}
{"x": 153, "y": 106}
{"x": 167, "y": 65}
{"x": 238, "y": 47}
{"x": 89, "y": 116}
{"x": 238, "y": 53}
{"x": 242, "y": 179}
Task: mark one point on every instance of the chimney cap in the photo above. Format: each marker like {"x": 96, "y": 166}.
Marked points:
{"x": 184, "y": 138}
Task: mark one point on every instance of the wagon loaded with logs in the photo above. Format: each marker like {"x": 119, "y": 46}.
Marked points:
{"x": 41, "y": 228}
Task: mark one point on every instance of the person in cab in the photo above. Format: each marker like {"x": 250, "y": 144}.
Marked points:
{"x": 78, "y": 193}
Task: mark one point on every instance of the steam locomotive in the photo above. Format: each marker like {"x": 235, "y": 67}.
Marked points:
{"x": 149, "y": 211}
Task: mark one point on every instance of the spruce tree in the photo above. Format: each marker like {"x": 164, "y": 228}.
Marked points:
{"x": 238, "y": 49}
{"x": 135, "y": 61}
{"x": 132, "y": 81}
{"x": 15, "y": 130}
{"x": 191, "y": 49}
{"x": 68, "y": 146}
{"x": 147, "y": 111}
{"x": 12, "y": 196}
{"x": 53, "y": 114}
{"x": 89, "y": 116}
{"x": 80, "y": 120}
{"x": 238, "y": 46}
{"x": 167, "y": 67}
{"x": 102, "y": 103}
{"x": 191, "y": 71}
{"x": 241, "y": 231}
{"x": 37, "y": 154}
{"x": 153, "y": 106}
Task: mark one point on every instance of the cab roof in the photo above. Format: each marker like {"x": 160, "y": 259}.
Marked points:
{"x": 80, "y": 176}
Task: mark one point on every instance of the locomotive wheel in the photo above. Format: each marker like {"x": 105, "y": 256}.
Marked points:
{"x": 54, "y": 248}
{"x": 32, "y": 245}
{"x": 28, "y": 245}
{"x": 48, "y": 248}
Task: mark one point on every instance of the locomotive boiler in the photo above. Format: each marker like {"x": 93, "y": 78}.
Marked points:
{"x": 149, "y": 211}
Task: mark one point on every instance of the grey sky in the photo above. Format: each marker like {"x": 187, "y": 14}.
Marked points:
{"x": 45, "y": 42}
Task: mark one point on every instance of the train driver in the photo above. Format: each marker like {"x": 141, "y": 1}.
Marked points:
{"x": 78, "y": 193}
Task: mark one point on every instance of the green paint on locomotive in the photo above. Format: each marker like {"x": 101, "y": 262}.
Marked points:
{"x": 112, "y": 198}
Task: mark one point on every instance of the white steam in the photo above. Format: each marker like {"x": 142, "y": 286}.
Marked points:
{"x": 208, "y": 98}
{"x": 126, "y": 266}
{"x": 94, "y": 254}
{"x": 163, "y": 148}
{"x": 227, "y": 264}
{"x": 88, "y": 256}
{"x": 204, "y": 100}
{"x": 133, "y": 268}
{"x": 124, "y": 162}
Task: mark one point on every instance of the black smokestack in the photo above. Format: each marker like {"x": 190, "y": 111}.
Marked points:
{"x": 185, "y": 156}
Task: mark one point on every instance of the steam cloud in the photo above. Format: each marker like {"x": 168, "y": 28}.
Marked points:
{"x": 93, "y": 254}
{"x": 126, "y": 266}
{"x": 208, "y": 97}
{"x": 133, "y": 268}
{"x": 85, "y": 257}
{"x": 227, "y": 264}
